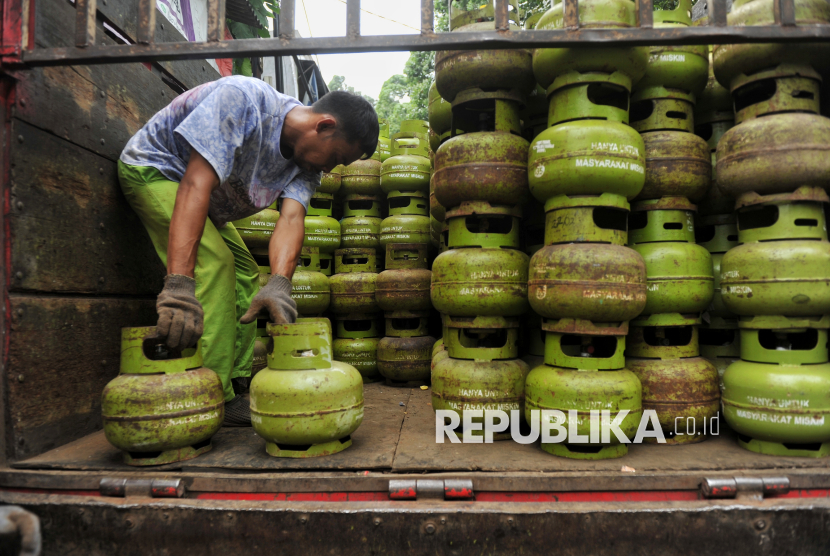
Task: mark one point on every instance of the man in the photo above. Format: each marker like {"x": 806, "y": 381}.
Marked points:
{"x": 220, "y": 152}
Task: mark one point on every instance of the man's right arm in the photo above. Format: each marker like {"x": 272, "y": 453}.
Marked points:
{"x": 181, "y": 317}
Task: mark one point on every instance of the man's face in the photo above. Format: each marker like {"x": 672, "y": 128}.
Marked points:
{"x": 321, "y": 151}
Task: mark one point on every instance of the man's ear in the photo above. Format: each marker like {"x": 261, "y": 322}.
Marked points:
{"x": 325, "y": 122}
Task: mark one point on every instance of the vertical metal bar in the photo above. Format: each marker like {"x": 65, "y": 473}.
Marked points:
{"x": 502, "y": 15}
{"x": 427, "y": 17}
{"x": 717, "y": 12}
{"x": 784, "y": 11}
{"x": 353, "y": 18}
{"x": 146, "y": 22}
{"x": 571, "y": 15}
{"x": 85, "y": 22}
{"x": 646, "y": 13}
{"x": 287, "y": 19}
{"x": 216, "y": 20}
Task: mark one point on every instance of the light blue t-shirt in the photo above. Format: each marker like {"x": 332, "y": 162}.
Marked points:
{"x": 235, "y": 123}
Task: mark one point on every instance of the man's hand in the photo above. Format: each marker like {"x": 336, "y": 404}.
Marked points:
{"x": 181, "y": 318}
{"x": 274, "y": 302}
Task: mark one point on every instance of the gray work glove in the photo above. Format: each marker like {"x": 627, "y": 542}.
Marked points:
{"x": 16, "y": 523}
{"x": 273, "y": 301}
{"x": 181, "y": 317}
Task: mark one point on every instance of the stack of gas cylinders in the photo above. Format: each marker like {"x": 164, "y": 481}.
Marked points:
{"x": 774, "y": 164}
{"x": 479, "y": 282}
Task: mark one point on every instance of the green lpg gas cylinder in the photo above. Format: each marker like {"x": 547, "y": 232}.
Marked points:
{"x": 330, "y": 181}
{"x": 678, "y": 164}
{"x": 549, "y": 63}
{"x": 679, "y": 385}
{"x": 322, "y": 232}
{"x": 488, "y": 70}
{"x": 409, "y": 168}
{"x": 353, "y": 284}
{"x": 676, "y": 67}
{"x": 587, "y": 157}
{"x": 305, "y": 404}
{"x": 256, "y": 230}
{"x": 310, "y": 288}
{"x": 164, "y": 406}
{"x": 357, "y": 344}
{"x": 775, "y": 398}
{"x": 408, "y": 220}
{"x": 384, "y": 143}
{"x": 477, "y": 382}
{"x": 585, "y": 390}
{"x": 362, "y": 177}
{"x": 403, "y": 361}
{"x": 732, "y": 61}
{"x": 679, "y": 272}
{"x": 360, "y": 226}
{"x": 440, "y": 111}
{"x": 717, "y": 234}
{"x": 485, "y": 166}
{"x": 577, "y": 276}
{"x": 785, "y": 88}
{"x": 782, "y": 264}
{"x": 720, "y": 344}
{"x": 404, "y": 285}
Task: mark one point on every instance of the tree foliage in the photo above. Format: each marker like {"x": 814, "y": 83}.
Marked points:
{"x": 264, "y": 10}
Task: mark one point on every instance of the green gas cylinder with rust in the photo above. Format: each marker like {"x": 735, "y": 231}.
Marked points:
{"x": 440, "y": 111}
{"x": 586, "y": 271}
{"x": 309, "y": 287}
{"x": 406, "y": 324}
{"x": 590, "y": 149}
{"x": 482, "y": 273}
{"x": 408, "y": 220}
{"x": 305, "y": 404}
{"x": 782, "y": 264}
{"x": 353, "y": 284}
{"x": 679, "y": 385}
{"x": 404, "y": 361}
{"x": 404, "y": 285}
{"x": 357, "y": 344}
{"x": 321, "y": 230}
{"x": 260, "y": 360}
{"x": 384, "y": 144}
{"x": 630, "y": 63}
{"x": 717, "y": 234}
{"x": 362, "y": 177}
{"x": 360, "y": 226}
{"x": 679, "y": 272}
{"x": 164, "y": 406}
{"x": 256, "y": 230}
{"x": 481, "y": 370}
{"x": 330, "y": 181}
{"x": 488, "y": 70}
{"x": 775, "y": 397}
{"x": 584, "y": 372}
{"x": 409, "y": 168}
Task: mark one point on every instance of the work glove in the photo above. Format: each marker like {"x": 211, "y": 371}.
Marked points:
{"x": 181, "y": 317}
{"x": 274, "y": 302}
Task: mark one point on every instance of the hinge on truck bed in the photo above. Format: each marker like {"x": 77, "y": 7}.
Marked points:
{"x": 753, "y": 488}
{"x": 431, "y": 489}
{"x": 152, "y": 488}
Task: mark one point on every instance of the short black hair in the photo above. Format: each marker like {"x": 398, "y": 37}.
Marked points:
{"x": 357, "y": 120}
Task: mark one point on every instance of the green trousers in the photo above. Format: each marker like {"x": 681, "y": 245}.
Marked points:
{"x": 227, "y": 276}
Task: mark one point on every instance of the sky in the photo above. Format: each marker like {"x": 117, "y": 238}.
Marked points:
{"x": 365, "y": 72}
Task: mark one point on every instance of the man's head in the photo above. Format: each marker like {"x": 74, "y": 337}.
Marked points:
{"x": 341, "y": 128}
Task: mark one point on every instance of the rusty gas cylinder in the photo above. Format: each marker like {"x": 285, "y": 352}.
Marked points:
{"x": 782, "y": 264}
{"x": 440, "y": 111}
{"x": 403, "y": 361}
{"x": 679, "y": 272}
{"x": 409, "y": 168}
{"x": 717, "y": 234}
{"x": 404, "y": 285}
{"x": 461, "y": 70}
{"x": 406, "y": 324}
{"x": 775, "y": 397}
{"x": 353, "y": 283}
{"x": 679, "y": 385}
{"x": 362, "y": 177}
{"x": 321, "y": 230}
{"x": 330, "y": 181}
{"x": 356, "y": 343}
{"x": 550, "y": 63}
{"x": 164, "y": 406}
{"x": 408, "y": 220}
{"x": 586, "y": 271}
{"x": 360, "y": 226}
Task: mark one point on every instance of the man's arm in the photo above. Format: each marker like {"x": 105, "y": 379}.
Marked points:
{"x": 190, "y": 214}
{"x": 287, "y": 240}
{"x": 181, "y": 317}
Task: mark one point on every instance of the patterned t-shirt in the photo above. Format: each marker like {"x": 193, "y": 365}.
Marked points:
{"x": 235, "y": 123}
